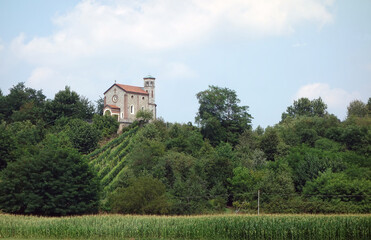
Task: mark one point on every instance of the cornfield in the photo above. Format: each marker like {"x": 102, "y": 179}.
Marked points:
{"x": 187, "y": 227}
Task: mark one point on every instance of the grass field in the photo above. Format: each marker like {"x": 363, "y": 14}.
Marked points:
{"x": 187, "y": 227}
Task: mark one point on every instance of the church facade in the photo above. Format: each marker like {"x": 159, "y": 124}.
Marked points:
{"x": 124, "y": 101}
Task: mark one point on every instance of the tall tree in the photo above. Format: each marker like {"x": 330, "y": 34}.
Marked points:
{"x": 306, "y": 107}
{"x": 68, "y": 103}
{"x": 22, "y": 102}
{"x": 220, "y": 116}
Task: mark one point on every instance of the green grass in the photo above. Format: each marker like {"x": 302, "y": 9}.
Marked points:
{"x": 187, "y": 227}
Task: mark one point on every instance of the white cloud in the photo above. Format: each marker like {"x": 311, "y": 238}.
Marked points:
{"x": 94, "y": 27}
{"x": 95, "y": 35}
{"x": 46, "y": 79}
{"x": 337, "y": 99}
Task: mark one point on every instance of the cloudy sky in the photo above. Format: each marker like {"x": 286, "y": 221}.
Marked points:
{"x": 270, "y": 52}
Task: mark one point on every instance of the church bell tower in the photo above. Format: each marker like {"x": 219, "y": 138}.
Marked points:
{"x": 149, "y": 87}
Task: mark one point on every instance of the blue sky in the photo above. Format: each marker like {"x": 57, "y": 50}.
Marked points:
{"x": 270, "y": 52}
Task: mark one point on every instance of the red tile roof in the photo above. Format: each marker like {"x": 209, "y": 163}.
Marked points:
{"x": 132, "y": 89}
{"x": 112, "y": 106}
{"x": 129, "y": 89}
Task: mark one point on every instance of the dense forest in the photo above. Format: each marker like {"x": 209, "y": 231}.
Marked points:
{"x": 61, "y": 157}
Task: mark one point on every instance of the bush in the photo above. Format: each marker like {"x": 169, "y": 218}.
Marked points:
{"x": 106, "y": 124}
{"x": 54, "y": 182}
{"x": 145, "y": 195}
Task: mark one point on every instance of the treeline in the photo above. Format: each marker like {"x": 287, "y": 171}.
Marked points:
{"x": 42, "y": 147}
{"x": 309, "y": 162}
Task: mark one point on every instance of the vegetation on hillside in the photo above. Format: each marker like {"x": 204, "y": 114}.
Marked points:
{"x": 309, "y": 162}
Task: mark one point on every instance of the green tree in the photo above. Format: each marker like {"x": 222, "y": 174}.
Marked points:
{"x": 144, "y": 195}
{"x": 307, "y": 163}
{"x": 84, "y": 136}
{"x": 144, "y": 116}
{"x": 339, "y": 190}
{"x": 188, "y": 195}
{"x": 220, "y": 116}
{"x": 54, "y": 182}
{"x": 68, "y": 103}
{"x": 184, "y": 138}
{"x": 306, "y": 107}
{"x": 108, "y": 125}
{"x": 99, "y": 106}
{"x": 357, "y": 108}
{"x": 7, "y": 146}
{"x": 269, "y": 143}
{"x": 22, "y": 104}
{"x": 220, "y": 166}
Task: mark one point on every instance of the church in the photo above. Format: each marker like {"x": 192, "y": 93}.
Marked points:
{"x": 124, "y": 101}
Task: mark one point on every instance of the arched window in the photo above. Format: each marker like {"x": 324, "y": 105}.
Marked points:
{"x": 107, "y": 113}
{"x": 132, "y": 109}
{"x": 122, "y": 115}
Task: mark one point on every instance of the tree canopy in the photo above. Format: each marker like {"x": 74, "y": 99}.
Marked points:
{"x": 306, "y": 107}
{"x": 54, "y": 182}
{"x": 54, "y": 154}
{"x": 219, "y": 115}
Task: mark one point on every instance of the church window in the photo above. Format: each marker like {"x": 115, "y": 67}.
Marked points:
{"x": 132, "y": 96}
{"x": 152, "y": 93}
{"x": 142, "y": 98}
{"x": 122, "y": 115}
{"x": 132, "y": 109}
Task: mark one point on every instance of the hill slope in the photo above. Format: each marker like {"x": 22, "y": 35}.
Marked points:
{"x": 109, "y": 161}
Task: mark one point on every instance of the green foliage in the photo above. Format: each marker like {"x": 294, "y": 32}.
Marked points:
{"x": 336, "y": 192}
{"x": 7, "y": 146}
{"x": 144, "y": 195}
{"x": 331, "y": 186}
{"x": 144, "y": 116}
{"x": 327, "y": 145}
{"x": 269, "y": 143}
{"x": 356, "y": 138}
{"x": 357, "y": 108}
{"x": 184, "y": 138}
{"x": 22, "y": 104}
{"x": 307, "y": 163}
{"x": 84, "y": 136}
{"x": 306, "y": 107}
{"x": 56, "y": 181}
{"x": 106, "y": 124}
{"x": 220, "y": 116}
{"x": 206, "y": 168}
{"x": 100, "y": 106}
{"x": 68, "y": 103}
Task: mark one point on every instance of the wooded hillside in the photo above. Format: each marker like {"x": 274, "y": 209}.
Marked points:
{"x": 61, "y": 156}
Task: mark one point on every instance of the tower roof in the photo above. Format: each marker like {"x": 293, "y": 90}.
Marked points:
{"x": 149, "y": 77}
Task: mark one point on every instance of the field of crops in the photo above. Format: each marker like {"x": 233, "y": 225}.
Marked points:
{"x": 188, "y": 227}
